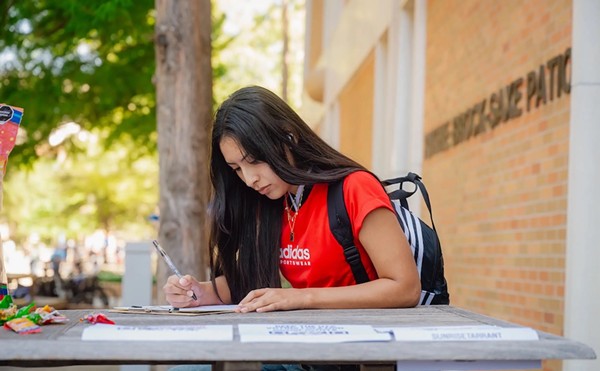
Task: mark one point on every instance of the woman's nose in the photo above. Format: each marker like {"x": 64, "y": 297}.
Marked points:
{"x": 250, "y": 177}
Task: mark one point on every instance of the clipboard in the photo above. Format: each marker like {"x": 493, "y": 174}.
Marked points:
{"x": 170, "y": 310}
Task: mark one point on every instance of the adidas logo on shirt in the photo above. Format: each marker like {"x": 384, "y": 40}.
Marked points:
{"x": 294, "y": 256}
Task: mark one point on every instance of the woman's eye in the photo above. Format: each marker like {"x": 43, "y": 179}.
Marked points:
{"x": 251, "y": 160}
{"x": 237, "y": 169}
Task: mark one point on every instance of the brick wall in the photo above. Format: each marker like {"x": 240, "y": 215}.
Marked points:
{"x": 500, "y": 197}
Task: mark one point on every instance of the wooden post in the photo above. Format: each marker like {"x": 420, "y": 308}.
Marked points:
{"x": 184, "y": 113}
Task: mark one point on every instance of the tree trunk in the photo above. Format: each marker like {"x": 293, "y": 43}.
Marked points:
{"x": 184, "y": 114}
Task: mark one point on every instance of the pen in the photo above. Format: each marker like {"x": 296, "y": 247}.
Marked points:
{"x": 164, "y": 255}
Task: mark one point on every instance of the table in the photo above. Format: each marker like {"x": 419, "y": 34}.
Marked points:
{"x": 60, "y": 345}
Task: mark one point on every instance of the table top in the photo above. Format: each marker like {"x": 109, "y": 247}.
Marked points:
{"x": 62, "y": 345}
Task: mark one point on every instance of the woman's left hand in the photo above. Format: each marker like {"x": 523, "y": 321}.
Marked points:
{"x": 268, "y": 299}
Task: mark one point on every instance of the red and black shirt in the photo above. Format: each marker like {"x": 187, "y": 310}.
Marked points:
{"x": 314, "y": 258}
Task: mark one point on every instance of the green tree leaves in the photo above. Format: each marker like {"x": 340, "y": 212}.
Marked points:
{"x": 88, "y": 62}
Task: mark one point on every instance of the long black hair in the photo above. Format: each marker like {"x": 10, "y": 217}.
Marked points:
{"x": 246, "y": 226}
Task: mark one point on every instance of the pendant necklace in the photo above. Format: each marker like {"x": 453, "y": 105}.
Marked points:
{"x": 296, "y": 203}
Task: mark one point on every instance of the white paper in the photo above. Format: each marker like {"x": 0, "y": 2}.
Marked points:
{"x": 430, "y": 328}
{"x": 309, "y": 333}
{"x": 211, "y": 308}
{"x": 170, "y": 309}
{"x": 147, "y": 308}
{"x": 464, "y": 333}
{"x": 162, "y": 333}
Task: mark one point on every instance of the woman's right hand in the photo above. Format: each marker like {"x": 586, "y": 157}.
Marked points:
{"x": 179, "y": 291}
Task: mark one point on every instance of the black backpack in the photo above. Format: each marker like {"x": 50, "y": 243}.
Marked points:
{"x": 423, "y": 240}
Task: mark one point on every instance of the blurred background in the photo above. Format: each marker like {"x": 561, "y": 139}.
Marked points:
{"x": 83, "y": 177}
{"x": 494, "y": 103}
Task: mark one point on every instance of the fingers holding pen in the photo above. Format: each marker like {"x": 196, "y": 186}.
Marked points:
{"x": 179, "y": 291}
{"x": 188, "y": 283}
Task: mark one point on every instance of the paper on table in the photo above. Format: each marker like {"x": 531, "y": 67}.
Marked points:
{"x": 210, "y": 308}
{"x": 309, "y": 333}
{"x": 162, "y": 333}
{"x": 167, "y": 309}
{"x": 464, "y": 333}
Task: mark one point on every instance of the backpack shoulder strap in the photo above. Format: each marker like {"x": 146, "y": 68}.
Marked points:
{"x": 340, "y": 226}
{"x": 402, "y": 195}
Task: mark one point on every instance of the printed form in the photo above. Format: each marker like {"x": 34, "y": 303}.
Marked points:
{"x": 158, "y": 333}
{"x": 309, "y": 333}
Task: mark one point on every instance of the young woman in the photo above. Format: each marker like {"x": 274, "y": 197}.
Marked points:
{"x": 270, "y": 172}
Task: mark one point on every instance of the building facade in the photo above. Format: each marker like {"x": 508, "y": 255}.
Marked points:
{"x": 496, "y": 105}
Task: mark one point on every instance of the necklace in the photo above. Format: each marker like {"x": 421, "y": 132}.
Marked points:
{"x": 296, "y": 203}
